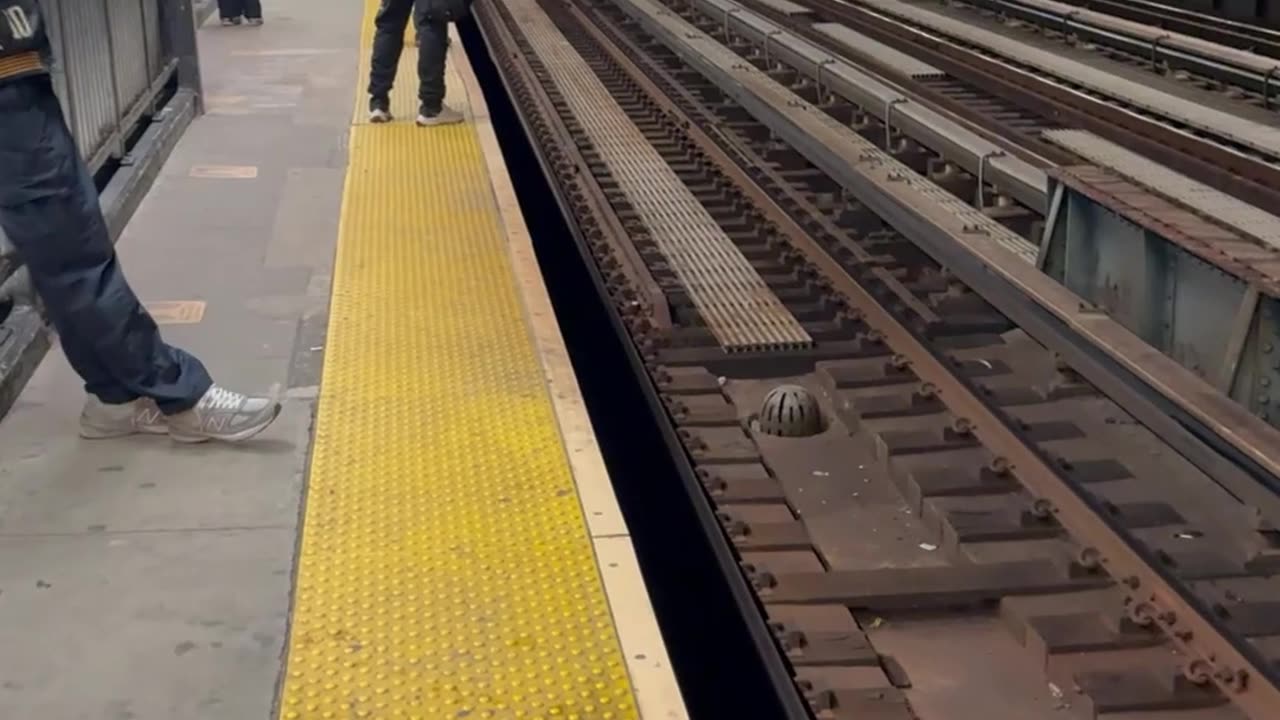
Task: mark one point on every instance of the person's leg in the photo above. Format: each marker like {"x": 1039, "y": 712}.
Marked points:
{"x": 230, "y": 11}
{"x": 252, "y": 11}
{"x": 49, "y": 209}
{"x": 433, "y": 51}
{"x": 388, "y": 43}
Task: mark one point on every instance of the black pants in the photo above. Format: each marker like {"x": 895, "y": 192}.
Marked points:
{"x": 232, "y": 9}
{"x": 49, "y": 210}
{"x": 388, "y": 43}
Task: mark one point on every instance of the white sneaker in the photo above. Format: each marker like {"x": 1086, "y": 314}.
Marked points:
{"x": 99, "y": 421}
{"x": 444, "y": 116}
{"x": 379, "y": 110}
{"x": 226, "y": 416}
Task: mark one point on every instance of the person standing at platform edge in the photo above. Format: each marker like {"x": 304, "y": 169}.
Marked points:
{"x": 233, "y": 12}
{"x": 431, "y": 19}
{"x": 49, "y": 211}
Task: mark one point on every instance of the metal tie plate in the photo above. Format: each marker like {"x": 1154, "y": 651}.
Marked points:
{"x": 738, "y": 307}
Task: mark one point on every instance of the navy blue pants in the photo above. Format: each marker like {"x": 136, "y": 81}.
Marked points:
{"x": 49, "y": 209}
{"x": 232, "y": 9}
{"x": 388, "y": 42}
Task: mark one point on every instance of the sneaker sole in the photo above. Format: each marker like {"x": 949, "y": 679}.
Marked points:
{"x": 246, "y": 434}
{"x": 433, "y": 122}
{"x": 92, "y": 433}
{"x": 380, "y": 119}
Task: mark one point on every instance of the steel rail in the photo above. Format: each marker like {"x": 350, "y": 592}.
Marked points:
{"x": 1259, "y": 38}
{"x": 1245, "y": 177}
{"x": 1152, "y": 43}
{"x": 977, "y": 155}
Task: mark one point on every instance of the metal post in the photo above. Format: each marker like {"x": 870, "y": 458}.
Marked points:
{"x": 1240, "y": 327}
{"x": 1050, "y": 226}
{"x": 178, "y": 24}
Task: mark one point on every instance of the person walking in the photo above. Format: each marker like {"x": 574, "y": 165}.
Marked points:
{"x": 233, "y": 12}
{"x": 431, "y": 20}
{"x": 49, "y": 210}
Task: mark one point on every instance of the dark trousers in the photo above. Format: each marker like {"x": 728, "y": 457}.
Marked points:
{"x": 388, "y": 43}
{"x": 49, "y": 210}
{"x": 232, "y": 9}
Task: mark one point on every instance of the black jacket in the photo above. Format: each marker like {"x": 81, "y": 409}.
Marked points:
{"x": 21, "y": 28}
{"x": 439, "y": 11}
{"x": 23, "y": 42}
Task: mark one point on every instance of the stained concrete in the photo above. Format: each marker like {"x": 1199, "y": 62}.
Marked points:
{"x": 139, "y": 579}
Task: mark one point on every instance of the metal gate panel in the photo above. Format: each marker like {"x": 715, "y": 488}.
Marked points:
{"x": 128, "y": 52}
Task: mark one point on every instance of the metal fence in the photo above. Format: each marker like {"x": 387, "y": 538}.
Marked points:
{"x": 111, "y": 60}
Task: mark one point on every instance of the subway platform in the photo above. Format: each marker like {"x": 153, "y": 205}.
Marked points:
{"x": 428, "y": 531}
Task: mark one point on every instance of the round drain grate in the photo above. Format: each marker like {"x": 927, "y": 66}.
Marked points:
{"x": 790, "y": 411}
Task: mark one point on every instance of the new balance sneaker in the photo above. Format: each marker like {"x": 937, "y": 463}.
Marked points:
{"x": 99, "y": 420}
{"x": 225, "y": 415}
{"x": 379, "y": 110}
{"x": 445, "y": 115}
{"x": 254, "y": 21}
{"x": 229, "y": 22}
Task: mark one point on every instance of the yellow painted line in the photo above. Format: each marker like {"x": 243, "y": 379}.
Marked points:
{"x": 228, "y": 110}
{"x": 176, "y": 312}
{"x": 285, "y": 52}
{"x": 446, "y": 566}
{"x": 224, "y": 172}
{"x": 222, "y": 100}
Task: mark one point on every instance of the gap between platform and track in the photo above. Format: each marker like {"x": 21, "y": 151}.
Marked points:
{"x": 462, "y": 552}
{"x": 652, "y": 678}
{"x": 695, "y": 586}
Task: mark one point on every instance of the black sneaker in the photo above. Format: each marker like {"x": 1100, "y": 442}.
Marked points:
{"x": 379, "y": 110}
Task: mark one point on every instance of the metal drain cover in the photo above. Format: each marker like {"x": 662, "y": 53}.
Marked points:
{"x": 790, "y": 411}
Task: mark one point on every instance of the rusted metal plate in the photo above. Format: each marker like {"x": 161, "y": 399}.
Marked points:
{"x": 918, "y": 588}
{"x": 1234, "y": 253}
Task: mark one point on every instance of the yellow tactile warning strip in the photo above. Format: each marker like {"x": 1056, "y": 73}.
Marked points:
{"x": 445, "y": 568}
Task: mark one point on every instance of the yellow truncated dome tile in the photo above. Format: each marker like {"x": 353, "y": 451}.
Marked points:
{"x": 445, "y": 568}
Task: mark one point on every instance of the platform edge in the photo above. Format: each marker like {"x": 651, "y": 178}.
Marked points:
{"x": 658, "y": 695}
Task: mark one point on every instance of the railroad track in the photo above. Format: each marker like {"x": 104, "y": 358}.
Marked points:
{"x": 936, "y": 140}
{"x": 1190, "y": 138}
{"x": 1161, "y": 38}
{"x": 993, "y": 139}
{"x": 1239, "y": 35}
{"x": 930, "y": 484}
{"x": 972, "y": 138}
{"x": 1005, "y": 141}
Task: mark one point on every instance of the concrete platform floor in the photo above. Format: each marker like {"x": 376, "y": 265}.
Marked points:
{"x": 140, "y": 580}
